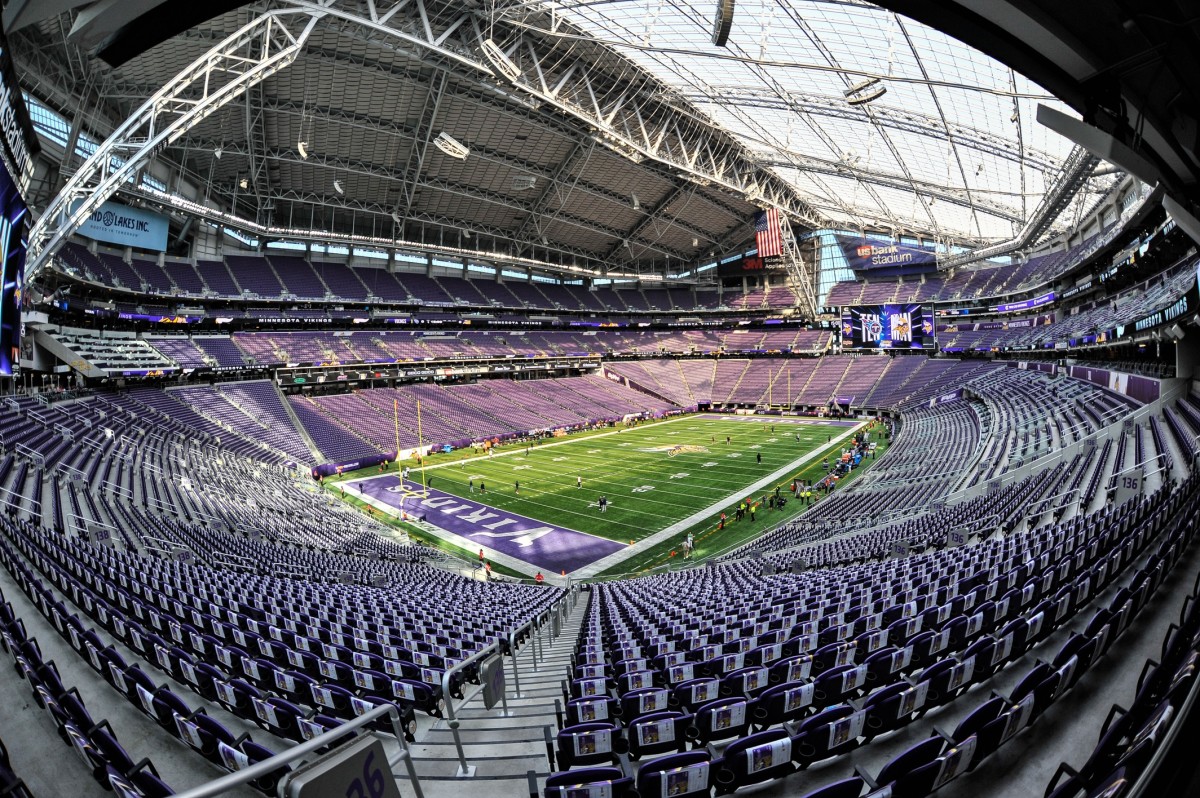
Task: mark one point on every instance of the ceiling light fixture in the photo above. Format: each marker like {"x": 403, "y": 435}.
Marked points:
{"x": 218, "y": 152}
{"x": 636, "y": 202}
{"x": 337, "y": 186}
{"x": 244, "y": 183}
{"x": 451, "y": 146}
{"x": 500, "y": 60}
{"x": 865, "y": 92}
{"x": 722, "y": 22}
{"x": 302, "y": 148}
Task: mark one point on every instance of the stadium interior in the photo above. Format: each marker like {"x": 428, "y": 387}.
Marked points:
{"x": 610, "y": 399}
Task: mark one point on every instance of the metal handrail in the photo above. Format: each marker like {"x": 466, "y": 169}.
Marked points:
{"x": 535, "y": 623}
{"x": 451, "y": 720}
{"x": 512, "y": 653}
{"x": 5, "y": 493}
{"x": 239, "y": 777}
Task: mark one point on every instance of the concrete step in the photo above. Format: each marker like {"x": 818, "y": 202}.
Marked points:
{"x": 479, "y": 750}
{"x": 517, "y": 708}
{"x": 507, "y": 734}
{"x": 446, "y": 767}
{"x": 502, "y": 748}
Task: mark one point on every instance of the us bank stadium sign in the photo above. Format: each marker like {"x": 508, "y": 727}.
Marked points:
{"x": 20, "y": 142}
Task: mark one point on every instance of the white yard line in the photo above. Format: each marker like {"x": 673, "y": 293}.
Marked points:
{"x": 618, "y": 557}
{"x": 565, "y": 440}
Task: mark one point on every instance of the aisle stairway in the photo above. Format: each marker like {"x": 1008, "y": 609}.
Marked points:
{"x": 501, "y": 748}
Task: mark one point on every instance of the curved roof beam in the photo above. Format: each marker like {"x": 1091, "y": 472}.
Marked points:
{"x": 954, "y": 196}
{"x": 620, "y": 110}
{"x": 892, "y": 118}
{"x": 243, "y": 59}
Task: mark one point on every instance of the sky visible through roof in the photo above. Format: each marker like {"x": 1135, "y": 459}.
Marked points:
{"x": 953, "y": 146}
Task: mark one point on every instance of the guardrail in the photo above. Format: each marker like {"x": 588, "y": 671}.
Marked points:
{"x": 245, "y": 775}
{"x": 6, "y": 498}
{"x": 234, "y": 560}
{"x": 70, "y": 473}
{"x": 1168, "y": 395}
{"x": 1113, "y": 480}
{"x": 536, "y": 624}
{"x": 30, "y": 453}
{"x": 464, "y": 770}
{"x": 120, "y": 490}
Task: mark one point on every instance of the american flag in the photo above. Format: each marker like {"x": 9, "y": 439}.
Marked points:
{"x": 766, "y": 233}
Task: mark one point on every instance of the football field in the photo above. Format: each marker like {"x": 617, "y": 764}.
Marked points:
{"x": 541, "y": 505}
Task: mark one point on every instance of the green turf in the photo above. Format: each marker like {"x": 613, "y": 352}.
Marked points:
{"x": 616, "y": 465}
{"x": 711, "y": 540}
{"x": 647, "y": 489}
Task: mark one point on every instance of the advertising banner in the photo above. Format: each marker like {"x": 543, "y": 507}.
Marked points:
{"x": 748, "y": 265}
{"x": 1025, "y": 304}
{"x": 124, "y": 226}
{"x": 863, "y": 254}
{"x": 18, "y": 141}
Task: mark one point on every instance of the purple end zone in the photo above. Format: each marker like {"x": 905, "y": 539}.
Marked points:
{"x": 549, "y": 547}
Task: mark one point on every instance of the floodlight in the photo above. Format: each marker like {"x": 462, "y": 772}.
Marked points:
{"x": 451, "y": 146}
{"x": 500, "y": 60}
{"x": 218, "y": 152}
{"x": 337, "y": 186}
{"x": 302, "y": 148}
{"x": 244, "y": 183}
{"x": 864, "y": 92}
{"x": 722, "y": 22}
{"x": 636, "y": 202}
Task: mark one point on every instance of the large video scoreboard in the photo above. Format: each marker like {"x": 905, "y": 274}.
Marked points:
{"x": 908, "y": 326}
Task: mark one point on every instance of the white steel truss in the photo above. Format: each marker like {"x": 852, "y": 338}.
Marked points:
{"x": 803, "y": 278}
{"x": 251, "y": 54}
{"x": 623, "y": 108}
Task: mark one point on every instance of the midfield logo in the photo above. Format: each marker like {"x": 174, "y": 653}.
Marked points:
{"x": 679, "y": 449}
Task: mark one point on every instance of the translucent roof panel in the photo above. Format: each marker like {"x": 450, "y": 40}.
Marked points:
{"x": 951, "y": 148}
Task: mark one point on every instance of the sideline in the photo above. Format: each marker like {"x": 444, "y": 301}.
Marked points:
{"x": 616, "y": 558}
